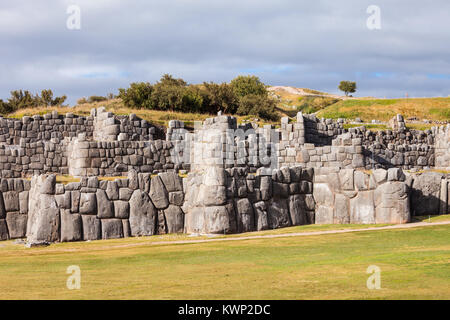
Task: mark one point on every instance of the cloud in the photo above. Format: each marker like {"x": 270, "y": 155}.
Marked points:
{"x": 287, "y": 42}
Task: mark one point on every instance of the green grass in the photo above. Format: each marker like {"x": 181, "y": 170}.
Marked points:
{"x": 441, "y": 218}
{"x": 386, "y": 109}
{"x": 414, "y": 265}
{"x": 374, "y": 127}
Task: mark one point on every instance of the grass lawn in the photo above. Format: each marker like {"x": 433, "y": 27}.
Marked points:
{"x": 386, "y": 109}
{"x": 414, "y": 265}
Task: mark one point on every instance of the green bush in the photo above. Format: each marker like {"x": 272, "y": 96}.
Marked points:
{"x": 137, "y": 96}
{"x": 93, "y": 99}
{"x": 244, "y": 95}
{"x": 259, "y": 106}
{"x": 248, "y": 85}
{"x": 219, "y": 97}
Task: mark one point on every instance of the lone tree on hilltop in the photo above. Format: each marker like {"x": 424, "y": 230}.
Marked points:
{"x": 347, "y": 87}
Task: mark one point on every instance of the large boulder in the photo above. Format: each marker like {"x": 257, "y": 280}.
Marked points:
{"x": 143, "y": 214}
{"x": 174, "y": 219}
{"x": 171, "y": 181}
{"x": 121, "y": 209}
{"x": 3, "y": 230}
{"x": 17, "y": 224}
{"x": 88, "y": 203}
{"x": 112, "y": 229}
{"x": 362, "y": 208}
{"x": 425, "y": 194}
{"x": 43, "y": 217}
{"x": 261, "y": 220}
{"x": 297, "y": 209}
{"x": 158, "y": 193}
{"x": 278, "y": 213}
{"x": 91, "y": 228}
{"x": 105, "y": 208}
{"x": 71, "y": 225}
{"x": 11, "y": 200}
{"x": 392, "y": 203}
{"x": 245, "y": 216}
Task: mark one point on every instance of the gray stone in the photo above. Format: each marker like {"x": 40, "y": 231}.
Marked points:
{"x": 261, "y": 219}
{"x": 125, "y": 194}
{"x": 126, "y": 228}
{"x": 2, "y": 207}
{"x": 112, "y": 229}
{"x": 133, "y": 182}
{"x": 71, "y": 225}
{"x": 346, "y": 179}
{"x": 43, "y": 217}
{"x": 361, "y": 181}
{"x": 245, "y": 216}
{"x": 396, "y": 174}
{"x": 280, "y": 190}
{"x": 297, "y": 210}
{"x": 174, "y": 219}
{"x": 91, "y": 228}
{"x": 425, "y": 194}
{"x": 105, "y": 208}
{"x": 176, "y": 198}
{"x": 278, "y": 213}
{"x": 17, "y": 224}
{"x": 362, "y": 208}
{"x": 75, "y": 200}
{"x": 158, "y": 193}
{"x": 112, "y": 190}
{"x": 3, "y": 230}
{"x": 323, "y": 194}
{"x": 443, "y": 197}
{"x": 48, "y": 185}
{"x": 62, "y": 200}
{"x": 266, "y": 187}
{"x": 212, "y": 195}
{"x": 11, "y": 201}
{"x": 142, "y": 215}
{"x": 324, "y": 214}
{"x": 341, "y": 210}
{"x": 380, "y": 175}
{"x": 392, "y": 203}
{"x": 88, "y": 203}
{"x": 171, "y": 181}
{"x": 213, "y": 220}
{"x": 121, "y": 209}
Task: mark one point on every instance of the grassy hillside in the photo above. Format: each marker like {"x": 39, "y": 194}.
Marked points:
{"x": 385, "y": 109}
{"x": 413, "y": 263}
{"x": 326, "y": 106}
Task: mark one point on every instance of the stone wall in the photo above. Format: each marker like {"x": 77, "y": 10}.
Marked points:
{"x": 358, "y": 197}
{"x": 109, "y": 158}
{"x": 141, "y": 205}
{"x": 442, "y": 147}
{"x": 233, "y": 200}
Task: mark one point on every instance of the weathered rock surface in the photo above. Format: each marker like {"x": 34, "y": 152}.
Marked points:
{"x": 143, "y": 215}
{"x": 17, "y": 224}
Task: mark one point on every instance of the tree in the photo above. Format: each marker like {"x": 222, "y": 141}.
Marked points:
{"x": 47, "y": 97}
{"x": 257, "y": 105}
{"x": 347, "y": 87}
{"x": 219, "y": 97}
{"x": 138, "y": 95}
{"x": 245, "y": 85}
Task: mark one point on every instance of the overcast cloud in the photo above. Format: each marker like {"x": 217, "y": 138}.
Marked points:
{"x": 312, "y": 44}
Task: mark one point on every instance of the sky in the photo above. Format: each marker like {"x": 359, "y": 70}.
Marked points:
{"x": 307, "y": 44}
